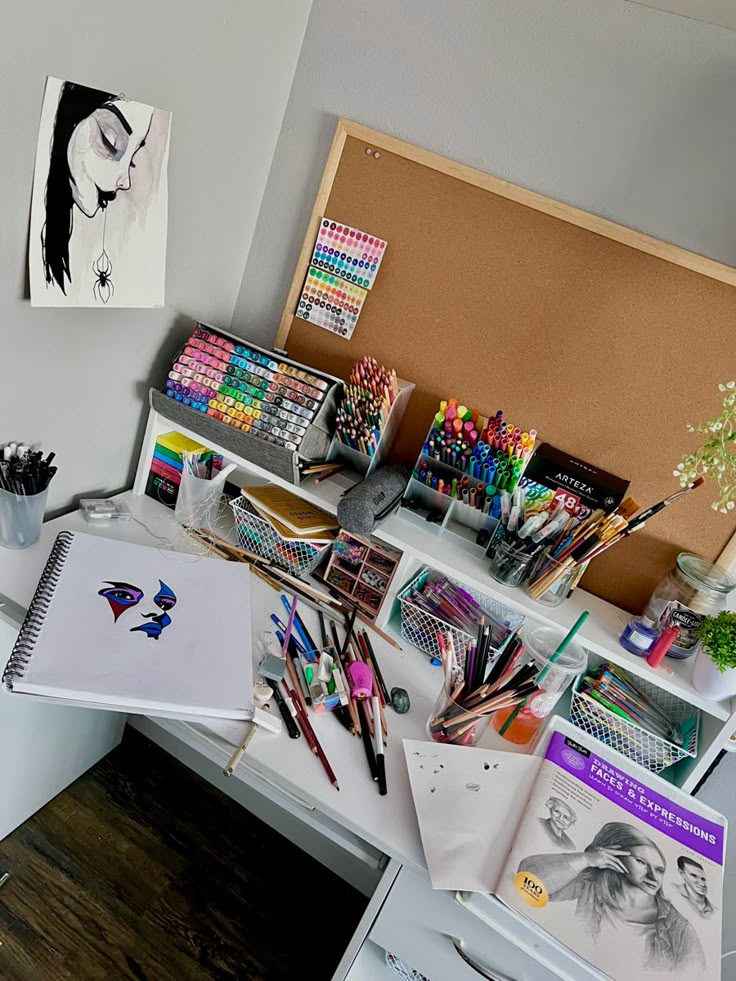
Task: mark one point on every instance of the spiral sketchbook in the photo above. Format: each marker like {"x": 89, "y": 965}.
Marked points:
{"x": 131, "y": 628}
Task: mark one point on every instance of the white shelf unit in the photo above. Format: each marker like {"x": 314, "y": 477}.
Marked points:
{"x": 422, "y": 545}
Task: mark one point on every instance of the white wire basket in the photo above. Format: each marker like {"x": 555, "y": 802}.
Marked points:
{"x": 298, "y": 556}
{"x": 421, "y": 628}
{"x": 652, "y": 752}
{"x": 403, "y": 970}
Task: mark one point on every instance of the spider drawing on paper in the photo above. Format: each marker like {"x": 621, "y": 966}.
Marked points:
{"x": 102, "y": 268}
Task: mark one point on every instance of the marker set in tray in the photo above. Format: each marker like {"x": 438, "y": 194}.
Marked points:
{"x": 465, "y": 462}
{"x": 245, "y": 388}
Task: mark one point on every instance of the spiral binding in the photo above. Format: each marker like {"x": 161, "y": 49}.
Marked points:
{"x": 37, "y": 611}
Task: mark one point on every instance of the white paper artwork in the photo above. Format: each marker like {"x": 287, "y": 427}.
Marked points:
{"x": 468, "y": 801}
{"x": 100, "y": 200}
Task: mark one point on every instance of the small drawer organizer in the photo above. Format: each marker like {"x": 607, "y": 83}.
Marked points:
{"x": 420, "y": 628}
{"x": 652, "y": 752}
{"x": 298, "y": 556}
{"x": 362, "y": 569}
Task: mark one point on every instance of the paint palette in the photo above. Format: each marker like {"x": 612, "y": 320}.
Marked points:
{"x": 348, "y": 252}
{"x": 330, "y": 302}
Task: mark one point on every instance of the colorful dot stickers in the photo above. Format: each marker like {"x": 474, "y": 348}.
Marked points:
{"x": 330, "y": 302}
{"x": 348, "y": 252}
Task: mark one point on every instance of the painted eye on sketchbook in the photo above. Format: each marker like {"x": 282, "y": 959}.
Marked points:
{"x": 121, "y": 596}
{"x": 165, "y": 598}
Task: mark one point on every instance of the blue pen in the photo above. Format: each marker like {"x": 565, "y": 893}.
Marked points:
{"x": 280, "y": 623}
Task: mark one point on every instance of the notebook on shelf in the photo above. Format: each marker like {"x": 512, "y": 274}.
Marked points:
{"x": 137, "y": 629}
{"x": 299, "y": 516}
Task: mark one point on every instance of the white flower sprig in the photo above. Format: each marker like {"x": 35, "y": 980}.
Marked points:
{"x": 716, "y": 457}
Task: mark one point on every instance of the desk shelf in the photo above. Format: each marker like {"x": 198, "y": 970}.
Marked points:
{"x": 423, "y": 546}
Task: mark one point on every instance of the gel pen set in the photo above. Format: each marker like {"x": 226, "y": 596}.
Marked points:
{"x": 25, "y": 475}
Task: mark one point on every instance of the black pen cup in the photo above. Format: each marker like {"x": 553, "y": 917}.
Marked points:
{"x": 21, "y": 517}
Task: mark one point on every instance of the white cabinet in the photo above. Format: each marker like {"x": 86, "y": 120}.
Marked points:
{"x": 44, "y": 747}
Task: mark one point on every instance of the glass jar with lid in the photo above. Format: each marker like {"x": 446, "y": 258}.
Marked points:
{"x": 691, "y": 591}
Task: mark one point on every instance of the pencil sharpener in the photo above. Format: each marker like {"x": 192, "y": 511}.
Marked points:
{"x": 360, "y": 677}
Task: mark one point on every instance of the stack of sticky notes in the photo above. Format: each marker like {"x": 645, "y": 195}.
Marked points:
{"x": 167, "y": 464}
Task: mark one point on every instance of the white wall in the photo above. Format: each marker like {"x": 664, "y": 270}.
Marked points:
{"x": 75, "y": 379}
{"x": 617, "y": 108}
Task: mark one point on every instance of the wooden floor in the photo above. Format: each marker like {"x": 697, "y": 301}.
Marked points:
{"x": 142, "y": 870}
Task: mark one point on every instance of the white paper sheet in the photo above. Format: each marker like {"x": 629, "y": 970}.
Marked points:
{"x": 100, "y": 200}
{"x": 468, "y": 803}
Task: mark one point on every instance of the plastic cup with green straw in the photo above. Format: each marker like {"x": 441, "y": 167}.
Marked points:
{"x": 561, "y": 648}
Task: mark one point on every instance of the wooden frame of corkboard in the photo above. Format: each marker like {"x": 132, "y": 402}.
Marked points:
{"x": 604, "y": 339}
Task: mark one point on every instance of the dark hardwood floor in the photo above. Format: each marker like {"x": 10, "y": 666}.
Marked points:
{"x": 142, "y": 870}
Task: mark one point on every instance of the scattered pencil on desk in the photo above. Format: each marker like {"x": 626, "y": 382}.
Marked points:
{"x": 240, "y": 751}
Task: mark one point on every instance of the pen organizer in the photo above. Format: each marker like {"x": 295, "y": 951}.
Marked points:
{"x": 466, "y": 460}
{"x": 21, "y": 517}
{"x": 366, "y": 463}
{"x": 421, "y": 628}
{"x": 651, "y": 751}
{"x": 298, "y": 556}
{"x": 252, "y": 402}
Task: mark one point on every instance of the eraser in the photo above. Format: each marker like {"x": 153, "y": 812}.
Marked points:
{"x": 272, "y": 723}
{"x": 272, "y": 667}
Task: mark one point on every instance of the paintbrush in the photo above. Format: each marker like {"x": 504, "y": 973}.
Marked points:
{"x": 641, "y": 519}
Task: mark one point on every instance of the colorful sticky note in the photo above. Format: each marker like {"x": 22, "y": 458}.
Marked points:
{"x": 330, "y": 302}
{"x": 348, "y": 252}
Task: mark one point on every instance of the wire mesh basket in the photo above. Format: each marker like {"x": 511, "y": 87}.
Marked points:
{"x": 420, "y": 628}
{"x": 298, "y": 556}
{"x": 652, "y": 752}
{"x": 402, "y": 969}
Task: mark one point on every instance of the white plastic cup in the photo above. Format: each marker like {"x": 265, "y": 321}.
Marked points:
{"x": 21, "y": 517}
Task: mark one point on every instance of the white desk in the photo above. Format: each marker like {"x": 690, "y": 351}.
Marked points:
{"x": 283, "y": 782}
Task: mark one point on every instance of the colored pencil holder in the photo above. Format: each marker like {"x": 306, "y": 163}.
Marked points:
{"x": 420, "y": 628}
{"x": 363, "y": 462}
{"x": 509, "y": 564}
{"x": 557, "y": 593}
{"x": 21, "y": 517}
{"x": 449, "y": 722}
{"x": 651, "y": 751}
{"x": 298, "y": 556}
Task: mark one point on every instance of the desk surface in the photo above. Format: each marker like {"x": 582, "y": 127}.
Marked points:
{"x": 389, "y": 823}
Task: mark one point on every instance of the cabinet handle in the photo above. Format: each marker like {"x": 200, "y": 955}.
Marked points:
{"x": 484, "y": 972}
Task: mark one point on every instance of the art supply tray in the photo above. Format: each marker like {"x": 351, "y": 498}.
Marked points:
{"x": 652, "y": 752}
{"x": 362, "y": 569}
{"x": 280, "y": 460}
{"x": 362, "y": 462}
{"x": 420, "y": 627}
{"x": 298, "y": 556}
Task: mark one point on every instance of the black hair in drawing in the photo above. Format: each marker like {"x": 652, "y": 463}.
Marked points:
{"x": 76, "y": 102}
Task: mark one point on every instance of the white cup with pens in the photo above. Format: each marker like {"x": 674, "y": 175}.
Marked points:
{"x": 24, "y": 483}
{"x": 200, "y": 491}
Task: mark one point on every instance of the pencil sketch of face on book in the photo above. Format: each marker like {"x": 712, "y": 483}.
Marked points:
{"x": 124, "y": 597}
{"x": 561, "y": 817}
{"x": 616, "y": 884}
{"x": 95, "y": 150}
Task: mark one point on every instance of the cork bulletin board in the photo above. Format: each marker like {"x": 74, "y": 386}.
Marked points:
{"x": 605, "y": 340}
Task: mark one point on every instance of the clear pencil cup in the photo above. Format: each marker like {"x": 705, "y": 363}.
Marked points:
{"x": 450, "y": 722}
{"x": 21, "y": 517}
{"x": 544, "y": 570}
{"x": 198, "y": 500}
{"x": 509, "y": 564}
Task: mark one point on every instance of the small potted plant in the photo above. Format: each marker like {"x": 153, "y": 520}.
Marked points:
{"x": 714, "y": 673}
